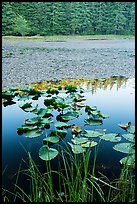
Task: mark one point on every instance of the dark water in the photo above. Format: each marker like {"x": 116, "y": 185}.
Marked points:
{"x": 116, "y": 100}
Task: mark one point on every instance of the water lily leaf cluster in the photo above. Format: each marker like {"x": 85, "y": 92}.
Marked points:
{"x": 68, "y": 103}
{"x": 8, "y": 97}
{"x": 127, "y": 147}
{"x": 95, "y": 116}
{"x": 69, "y": 108}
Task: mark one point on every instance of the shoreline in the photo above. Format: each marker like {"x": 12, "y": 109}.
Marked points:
{"x": 25, "y": 61}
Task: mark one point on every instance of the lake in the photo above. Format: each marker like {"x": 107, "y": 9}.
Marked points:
{"x": 114, "y": 96}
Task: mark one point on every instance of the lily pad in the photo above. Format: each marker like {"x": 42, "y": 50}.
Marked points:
{"x": 69, "y": 116}
{"x": 103, "y": 115}
{"x": 79, "y": 140}
{"x": 46, "y": 120}
{"x": 131, "y": 129}
{"x": 8, "y": 95}
{"x": 42, "y": 112}
{"x": 25, "y": 105}
{"x": 96, "y": 117}
{"x": 34, "y": 92}
{"x": 27, "y": 128}
{"x": 110, "y": 137}
{"x": 53, "y": 139}
{"x": 90, "y": 121}
{"x": 33, "y": 133}
{"x": 49, "y": 101}
{"x": 60, "y": 105}
{"x": 59, "y": 133}
{"x": 129, "y": 137}
{"x": 32, "y": 121}
{"x": 7, "y": 103}
{"x": 79, "y": 104}
{"x": 89, "y": 109}
{"x": 23, "y": 97}
{"x": 92, "y": 133}
{"x": 46, "y": 153}
{"x": 29, "y": 109}
{"x": 77, "y": 149}
{"x": 79, "y": 98}
{"x": 70, "y": 88}
{"x": 124, "y": 147}
{"x": 89, "y": 144}
{"x": 61, "y": 125}
{"x": 52, "y": 91}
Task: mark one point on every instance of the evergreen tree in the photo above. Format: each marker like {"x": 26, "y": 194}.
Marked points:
{"x": 8, "y": 18}
{"x": 49, "y": 18}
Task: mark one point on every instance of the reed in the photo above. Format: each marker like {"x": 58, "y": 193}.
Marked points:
{"x": 76, "y": 182}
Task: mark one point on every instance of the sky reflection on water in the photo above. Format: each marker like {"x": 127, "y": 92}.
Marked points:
{"x": 118, "y": 102}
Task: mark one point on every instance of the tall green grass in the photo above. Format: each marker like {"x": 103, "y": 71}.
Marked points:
{"x": 76, "y": 181}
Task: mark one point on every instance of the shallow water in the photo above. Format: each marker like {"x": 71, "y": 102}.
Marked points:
{"x": 116, "y": 99}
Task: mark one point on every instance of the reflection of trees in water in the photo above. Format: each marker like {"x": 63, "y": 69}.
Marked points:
{"x": 92, "y": 85}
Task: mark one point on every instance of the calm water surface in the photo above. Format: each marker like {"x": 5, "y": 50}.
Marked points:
{"x": 117, "y": 101}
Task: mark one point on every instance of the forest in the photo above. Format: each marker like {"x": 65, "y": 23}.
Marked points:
{"x": 68, "y": 18}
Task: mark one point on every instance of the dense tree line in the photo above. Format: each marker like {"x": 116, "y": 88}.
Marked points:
{"x": 49, "y": 18}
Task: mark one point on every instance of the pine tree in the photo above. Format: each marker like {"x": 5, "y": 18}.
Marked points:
{"x": 49, "y": 18}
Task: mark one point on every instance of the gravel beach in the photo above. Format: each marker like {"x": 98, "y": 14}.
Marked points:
{"x": 25, "y": 61}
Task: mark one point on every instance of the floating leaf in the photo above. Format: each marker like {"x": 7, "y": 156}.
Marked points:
{"x": 131, "y": 129}
{"x": 89, "y": 144}
{"x": 27, "y": 128}
{"x": 46, "y": 153}
{"x": 29, "y": 109}
{"x": 25, "y": 105}
{"x": 34, "y": 92}
{"x": 129, "y": 160}
{"x": 79, "y": 140}
{"x": 110, "y": 137}
{"x": 49, "y": 101}
{"x": 70, "y": 88}
{"x": 69, "y": 116}
{"x": 129, "y": 137}
{"x": 32, "y": 121}
{"x": 7, "y": 103}
{"x": 60, "y": 105}
{"x": 89, "y": 109}
{"x": 103, "y": 115}
{"x": 60, "y": 133}
{"x": 79, "y": 104}
{"x": 90, "y": 121}
{"x": 61, "y": 125}
{"x": 33, "y": 133}
{"x": 101, "y": 130}
{"x": 92, "y": 133}
{"x": 96, "y": 117}
{"x": 77, "y": 149}
{"x": 23, "y": 97}
{"x": 8, "y": 95}
{"x": 52, "y": 91}
{"x": 79, "y": 98}
{"x": 45, "y": 120}
{"x": 53, "y": 139}
{"x": 124, "y": 147}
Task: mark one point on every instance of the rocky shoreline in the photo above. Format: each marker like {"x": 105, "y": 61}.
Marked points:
{"x": 25, "y": 61}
